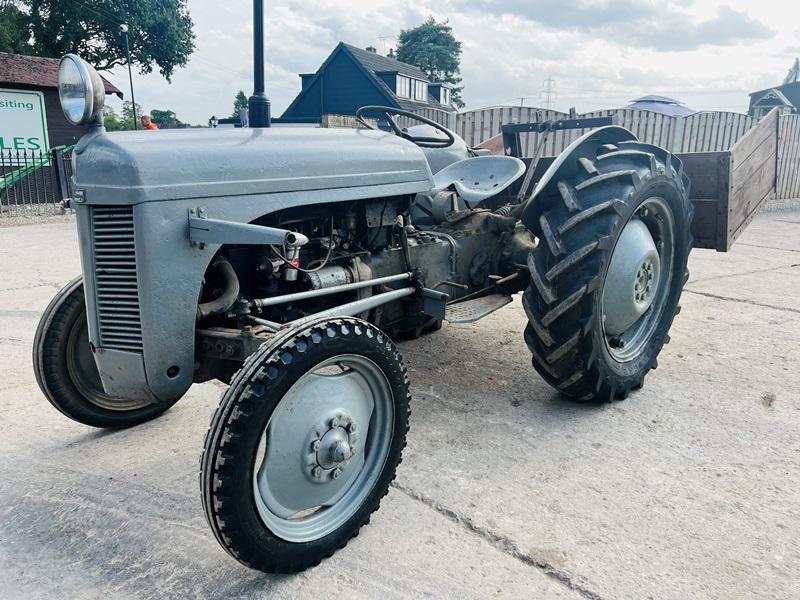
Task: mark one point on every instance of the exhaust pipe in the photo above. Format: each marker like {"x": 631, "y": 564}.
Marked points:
{"x": 258, "y": 107}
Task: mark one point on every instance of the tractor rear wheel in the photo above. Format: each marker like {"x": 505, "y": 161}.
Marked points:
{"x": 607, "y": 275}
{"x": 67, "y": 374}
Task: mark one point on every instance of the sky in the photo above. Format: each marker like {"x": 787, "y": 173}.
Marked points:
{"x": 599, "y": 53}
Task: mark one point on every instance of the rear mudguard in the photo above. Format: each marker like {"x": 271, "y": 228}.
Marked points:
{"x": 565, "y": 166}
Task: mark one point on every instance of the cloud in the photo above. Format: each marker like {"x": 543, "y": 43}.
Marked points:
{"x": 660, "y": 26}
{"x": 578, "y": 14}
{"x": 601, "y": 53}
{"x": 674, "y": 32}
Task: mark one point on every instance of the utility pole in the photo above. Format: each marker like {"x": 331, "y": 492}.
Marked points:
{"x": 258, "y": 104}
{"x": 548, "y": 93}
{"x": 124, "y": 29}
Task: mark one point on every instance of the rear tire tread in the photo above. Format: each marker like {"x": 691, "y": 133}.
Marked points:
{"x": 604, "y": 188}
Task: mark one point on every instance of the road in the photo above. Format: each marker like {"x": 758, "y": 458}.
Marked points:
{"x": 688, "y": 489}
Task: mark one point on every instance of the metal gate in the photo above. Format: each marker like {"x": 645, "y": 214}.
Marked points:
{"x": 34, "y": 182}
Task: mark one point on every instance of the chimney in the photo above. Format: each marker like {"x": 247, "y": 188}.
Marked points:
{"x": 372, "y": 49}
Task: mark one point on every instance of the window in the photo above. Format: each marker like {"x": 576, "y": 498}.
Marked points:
{"x": 420, "y": 89}
{"x": 403, "y": 87}
{"x": 414, "y": 89}
{"x": 445, "y": 96}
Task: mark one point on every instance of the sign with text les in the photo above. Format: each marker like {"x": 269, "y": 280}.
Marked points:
{"x": 23, "y": 124}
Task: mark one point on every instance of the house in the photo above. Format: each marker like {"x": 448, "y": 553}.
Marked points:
{"x": 663, "y": 105}
{"x": 786, "y": 97}
{"x": 353, "y": 77}
{"x": 31, "y": 118}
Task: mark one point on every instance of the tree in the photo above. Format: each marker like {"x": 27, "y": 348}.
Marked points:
{"x": 433, "y": 48}
{"x": 111, "y": 119}
{"x": 239, "y": 102}
{"x": 160, "y": 31}
{"x": 128, "y": 119}
{"x": 13, "y": 29}
{"x": 164, "y": 118}
{"x": 123, "y": 122}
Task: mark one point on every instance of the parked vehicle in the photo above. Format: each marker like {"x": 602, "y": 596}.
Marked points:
{"x": 285, "y": 261}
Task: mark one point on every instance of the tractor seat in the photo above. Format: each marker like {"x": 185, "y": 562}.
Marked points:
{"x": 479, "y": 178}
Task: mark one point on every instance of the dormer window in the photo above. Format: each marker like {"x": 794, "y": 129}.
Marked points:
{"x": 420, "y": 89}
{"x": 413, "y": 89}
{"x": 403, "y": 86}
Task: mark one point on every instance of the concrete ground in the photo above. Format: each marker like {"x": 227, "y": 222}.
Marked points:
{"x": 689, "y": 489}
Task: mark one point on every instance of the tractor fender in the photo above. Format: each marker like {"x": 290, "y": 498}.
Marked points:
{"x": 566, "y": 165}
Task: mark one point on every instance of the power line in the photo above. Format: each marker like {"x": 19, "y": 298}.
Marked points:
{"x": 548, "y": 93}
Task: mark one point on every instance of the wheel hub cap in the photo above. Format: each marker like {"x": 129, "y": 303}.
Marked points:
{"x": 332, "y": 452}
{"x": 323, "y": 447}
{"x": 644, "y": 287}
{"x": 632, "y": 279}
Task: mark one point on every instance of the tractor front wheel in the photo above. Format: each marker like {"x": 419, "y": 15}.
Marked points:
{"x": 608, "y": 273}
{"x": 67, "y": 374}
{"x": 305, "y": 443}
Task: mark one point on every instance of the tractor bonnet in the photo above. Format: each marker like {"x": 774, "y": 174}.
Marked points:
{"x": 135, "y": 167}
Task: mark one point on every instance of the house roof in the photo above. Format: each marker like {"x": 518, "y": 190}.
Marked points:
{"x": 662, "y": 104}
{"x": 777, "y": 94}
{"x": 789, "y": 91}
{"x": 374, "y": 64}
{"x": 383, "y": 64}
{"x": 38, "y": 71}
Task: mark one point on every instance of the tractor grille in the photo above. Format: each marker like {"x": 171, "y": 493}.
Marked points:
{"x": 115, "y": 278}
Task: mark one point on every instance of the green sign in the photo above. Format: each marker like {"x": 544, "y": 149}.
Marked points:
{"x": 23, "y": 125}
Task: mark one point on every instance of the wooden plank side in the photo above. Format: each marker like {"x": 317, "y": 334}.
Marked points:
{"x": 704, "y": 223}
{"x": 703, "y": 170}
{"x": 708, "y": 173}
{"x": 750, "y": 141}
{"x": 754, "y": 161}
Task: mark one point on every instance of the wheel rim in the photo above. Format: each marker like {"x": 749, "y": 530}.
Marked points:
{"x": 638, "y": 280}
{"x": 83, "y": 371}
{"x": 323, "y": 448}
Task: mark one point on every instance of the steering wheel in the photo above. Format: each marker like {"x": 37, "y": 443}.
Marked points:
{"x": 422, "y": 142}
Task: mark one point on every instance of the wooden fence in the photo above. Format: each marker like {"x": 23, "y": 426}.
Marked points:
{"x": 788, "y": 157}
{"x": 699, "y": 132}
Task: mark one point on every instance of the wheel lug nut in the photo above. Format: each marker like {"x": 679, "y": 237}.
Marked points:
{"x": 316, "y": 445}
{"x": 316, "y": 472}
{"x": 351, "y": 426}
{"x": 334, "y": 422}
{"x": 336, "y": 474}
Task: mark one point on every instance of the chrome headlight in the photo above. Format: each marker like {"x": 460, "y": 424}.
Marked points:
{"x": 80, "y": 90}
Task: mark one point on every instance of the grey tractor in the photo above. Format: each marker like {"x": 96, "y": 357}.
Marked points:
{"x": 286, "y": 261}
